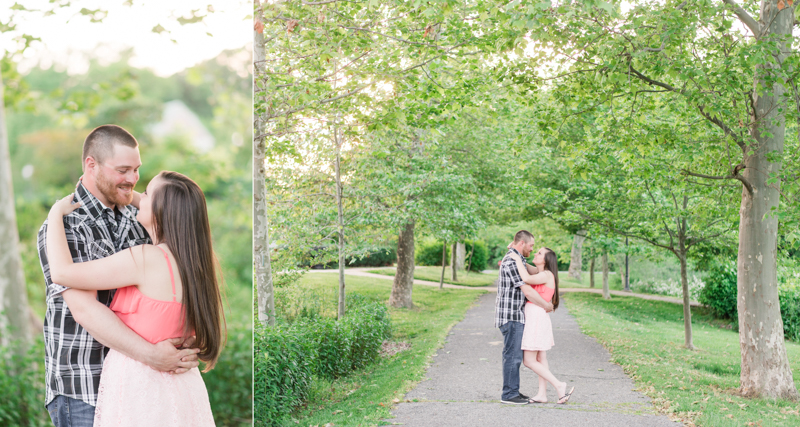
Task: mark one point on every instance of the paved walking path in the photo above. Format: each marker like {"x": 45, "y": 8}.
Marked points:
{"x": 465, "y": 380}
{"x": 362, "y": 271}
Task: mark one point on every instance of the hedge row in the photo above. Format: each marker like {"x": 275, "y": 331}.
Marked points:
{"x": 287, "y": 357}
{"x": 431, "y": 254}
{"x": 379, "y": 257}
{"x": 720, "y": 293}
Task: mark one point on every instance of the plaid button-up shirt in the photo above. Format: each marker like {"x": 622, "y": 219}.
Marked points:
{"x": 73, "y": 359}
{"x": 510, "y": 302}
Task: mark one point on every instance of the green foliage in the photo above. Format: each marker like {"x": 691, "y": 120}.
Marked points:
{"x": 367, "y": 257}
{"x": 229, "y": 383}
{"x": 283, "y": 371}
{"x": 789, "y": 295}
{"x": 373, "y": 258}
{"x": 477, "y": 255}
{"x": 22, "y": 386}
{"x": 721, "y": 290}
{"x": 430, "y": 253}
{"x": 288, "y": 355}
{"x": 364, "y": 398}
{"x": 790, "y": 311}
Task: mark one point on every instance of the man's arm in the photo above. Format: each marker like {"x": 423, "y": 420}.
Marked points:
{"x": 535, "y": 298}
{"x": 109, "y": 330}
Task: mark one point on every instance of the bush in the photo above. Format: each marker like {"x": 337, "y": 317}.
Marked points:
{"x": 229, "y": 384}
{"x": 22, "y": 386}
{"x": 283, "y": 364}
{"x": 349, "y": 344}
{"x": 369, "y": 324}
{"x": 287, "y": 356}
{"x": 789, "y": 295}
{"x": 480, "y": 255}
{"x": 430, "y": 254}
{"x": 374, "y": 258}
{"x": 720, "y": 290}
{"x": 333, "y": 341}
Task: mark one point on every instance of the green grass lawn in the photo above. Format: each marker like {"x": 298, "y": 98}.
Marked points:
{"x": 646, "y": 338}
{"x": 366, "y": 397}
{"x": 433, "y": 274}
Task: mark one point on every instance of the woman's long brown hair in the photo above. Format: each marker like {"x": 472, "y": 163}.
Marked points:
{"x": 180, "y": 220}
{"x": 551, "y": 264}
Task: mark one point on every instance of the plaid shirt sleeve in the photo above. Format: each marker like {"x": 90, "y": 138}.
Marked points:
{"x": 509, "y": 268}
{"x": 72, "y": 241}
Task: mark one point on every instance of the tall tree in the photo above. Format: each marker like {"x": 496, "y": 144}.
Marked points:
{"x": 687, "y": 53}
{"x": 261, "y": 252}
{"x": 13, "y": 295}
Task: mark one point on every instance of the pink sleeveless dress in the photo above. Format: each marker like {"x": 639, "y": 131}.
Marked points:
{"x": 134, "y": 394}
{"x": 538, "y": 332}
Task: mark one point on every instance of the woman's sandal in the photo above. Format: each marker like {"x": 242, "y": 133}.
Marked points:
{"x": 565, "y": 396}
{"x": 532, "y": 400}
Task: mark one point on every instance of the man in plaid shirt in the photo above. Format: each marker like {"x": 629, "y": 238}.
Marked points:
{"x": 510, "y": 315}
{"x": 79, "y": 327}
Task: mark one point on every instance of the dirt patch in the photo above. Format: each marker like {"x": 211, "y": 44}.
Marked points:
{"x": 390, "y": 348}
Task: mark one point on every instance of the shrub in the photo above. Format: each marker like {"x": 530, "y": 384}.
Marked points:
{"x": 22, "y": 386}
{"x": 430, "y": 254}
{"x": 369, "y": 324}
{"x": 229, "y": 384}
{"x": 670, "y": 287}
{"x": 287, "y": 356}
{"x": 789, "y": 295}
{"x": 283, "y": 364}
{"x": 479, "y": 255}
{"x": 333, "y": 342}
{"x": 374, "y": 258}
{"x": 720, "y": 290}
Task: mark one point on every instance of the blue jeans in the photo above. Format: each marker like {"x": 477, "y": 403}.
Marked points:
{"x": 68, "y": 412}
{"x": 512, "y": 358}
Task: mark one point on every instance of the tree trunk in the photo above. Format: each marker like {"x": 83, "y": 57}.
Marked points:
{"x": 459, "y": 255}
{"x": 457, "y": 259}
{"x": 765, "y": 366}
{"x": 404, "y": 276}
{"x": 627, "y": 270}
{"x": 687, "y": 307}
{"x": 444, "y": 264}
{"x": 591, "y": 273}
{"x": 261, "y": 255}
{"x": 340, "y": 221}
{"x": 13, "y": 294}
{"x": 575, "y": 258}
{"x": 606, "y": 294}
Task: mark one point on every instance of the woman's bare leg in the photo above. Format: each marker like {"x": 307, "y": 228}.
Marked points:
{"x": 541, "y": 395}
{"x": 530, "y": 359}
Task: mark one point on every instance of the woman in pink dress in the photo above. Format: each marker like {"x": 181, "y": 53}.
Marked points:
{"x": 537, "y": 337}
{"x": 154, "y": 302}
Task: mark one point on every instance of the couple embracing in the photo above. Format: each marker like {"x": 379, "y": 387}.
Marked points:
{"x": 133, "y": 297}
{"x": 525, "y": 296}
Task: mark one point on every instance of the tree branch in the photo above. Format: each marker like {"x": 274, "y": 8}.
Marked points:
{"x": 735, "y": 175}
{"x": 745, "y": 17}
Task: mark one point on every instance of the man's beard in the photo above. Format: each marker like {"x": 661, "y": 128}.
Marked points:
{"x": 109, "y": 190}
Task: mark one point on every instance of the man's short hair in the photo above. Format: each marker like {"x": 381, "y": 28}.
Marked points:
{"x": 100, "y": 142}
{"x": 523, "y": 235}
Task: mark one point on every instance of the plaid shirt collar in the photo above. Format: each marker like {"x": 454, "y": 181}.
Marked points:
{"x": 524, "y": 259}
{"x": 95, "y": 208}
